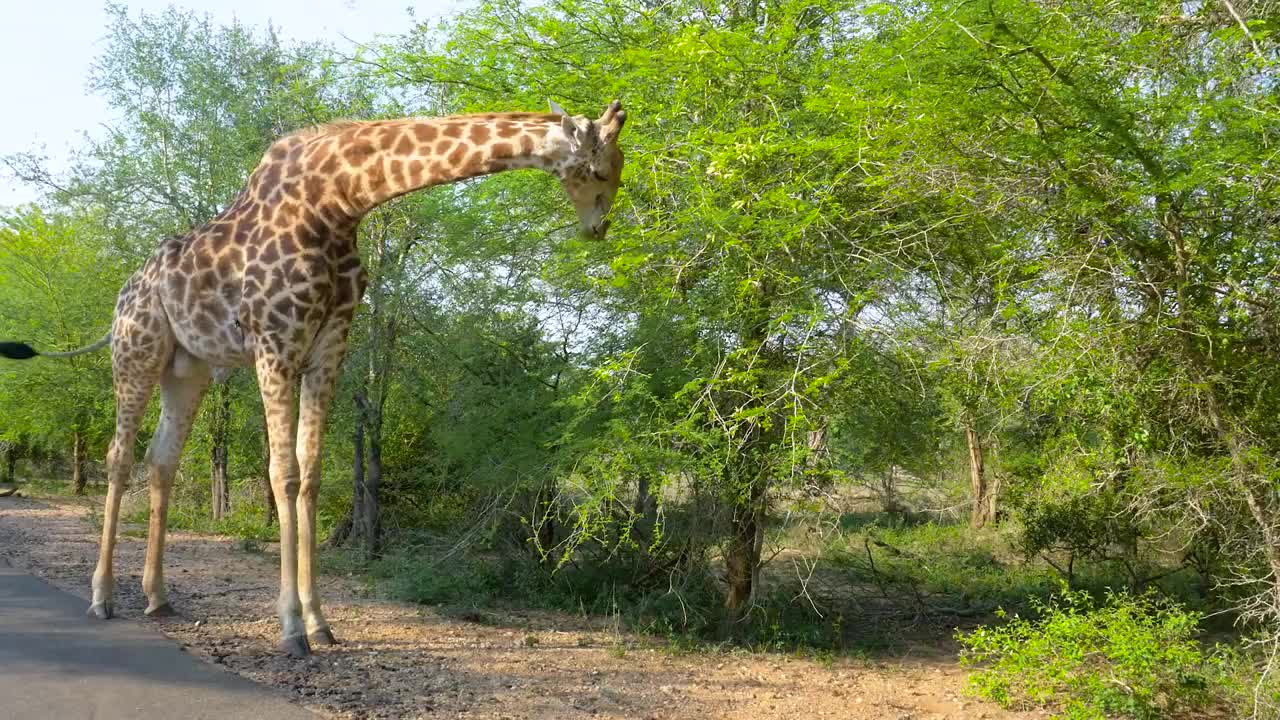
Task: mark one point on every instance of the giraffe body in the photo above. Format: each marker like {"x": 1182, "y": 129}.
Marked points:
{"x": 273, "y": 282}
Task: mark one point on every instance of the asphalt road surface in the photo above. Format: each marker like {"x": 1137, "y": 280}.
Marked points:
{"x": 56, "y": 663}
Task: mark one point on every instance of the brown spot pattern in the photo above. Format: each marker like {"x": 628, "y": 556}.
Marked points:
{"x": 455, "y": 157}
{"x": 358, "y": 152}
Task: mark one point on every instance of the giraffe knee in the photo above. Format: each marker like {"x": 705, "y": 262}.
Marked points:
{"x": 113, "y": 457}
{"x": 161, "y": 475}
{"x": 309, "y": 488}
{"x": 161, "y": 465}
{"x": 287, "y": 486}
{"x": 119, "y": 461}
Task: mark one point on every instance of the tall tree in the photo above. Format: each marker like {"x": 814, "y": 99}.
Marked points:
{"x": 56, "y": 273}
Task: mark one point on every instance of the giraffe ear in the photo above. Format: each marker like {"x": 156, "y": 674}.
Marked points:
{"x": 574, "y": 133}
{"x": 571, "y": 130}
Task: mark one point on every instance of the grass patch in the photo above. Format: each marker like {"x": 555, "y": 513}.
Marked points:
{"x": 953, "y": 571}
{"x": 947, "y": 570}
{"x": 56, "y": 488}
{"x": 243, "y": 522}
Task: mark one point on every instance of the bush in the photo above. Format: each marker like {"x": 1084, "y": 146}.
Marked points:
{"x": 462, "y": 581}
{"x": 1093, "y": 527}
{"x": 1134, "y": 657}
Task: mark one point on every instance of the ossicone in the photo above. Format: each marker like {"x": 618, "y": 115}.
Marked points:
{"x": 612, "y": 120}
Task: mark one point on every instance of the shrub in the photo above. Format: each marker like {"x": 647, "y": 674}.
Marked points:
{"x": 1092, "y": 527}
{"x": 1134, "y": 657}
{"x": 465, "y": 580}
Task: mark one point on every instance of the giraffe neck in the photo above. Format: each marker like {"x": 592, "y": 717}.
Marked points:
{"x": 381, "y": 160}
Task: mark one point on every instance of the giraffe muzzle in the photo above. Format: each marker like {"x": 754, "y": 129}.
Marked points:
{"x": 597, "y": 231}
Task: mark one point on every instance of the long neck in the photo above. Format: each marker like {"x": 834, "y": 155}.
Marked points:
{"x": 381, "y": 160}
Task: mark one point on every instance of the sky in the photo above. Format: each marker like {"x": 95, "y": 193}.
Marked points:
{"x": 47, "y": 47}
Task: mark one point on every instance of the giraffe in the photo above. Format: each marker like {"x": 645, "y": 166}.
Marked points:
{"x": 273, "y": 282}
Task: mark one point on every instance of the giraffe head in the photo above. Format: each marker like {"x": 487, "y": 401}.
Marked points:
{"x": 591, "y": 172}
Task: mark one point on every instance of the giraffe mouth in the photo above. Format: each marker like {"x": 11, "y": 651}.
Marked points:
{"x": 597, "y": 232}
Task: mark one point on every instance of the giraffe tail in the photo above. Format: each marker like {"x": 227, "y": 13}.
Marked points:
{"x": 23, "y": 351}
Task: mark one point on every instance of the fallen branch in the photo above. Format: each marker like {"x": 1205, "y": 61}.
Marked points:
{"x": 231, "y": 591}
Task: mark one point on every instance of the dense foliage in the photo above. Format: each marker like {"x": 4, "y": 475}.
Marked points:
{"x": 1131, "y": 657}
{"x": 1002, "y": 263}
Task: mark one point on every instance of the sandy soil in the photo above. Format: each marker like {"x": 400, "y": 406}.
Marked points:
{"x": 404, "y": 661}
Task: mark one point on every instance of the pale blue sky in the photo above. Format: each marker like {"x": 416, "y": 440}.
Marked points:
{"x": 47, "y": 46}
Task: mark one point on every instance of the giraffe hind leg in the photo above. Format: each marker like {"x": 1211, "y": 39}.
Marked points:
{"x": 181, "y": 390}
{"x": 135, "y": 380}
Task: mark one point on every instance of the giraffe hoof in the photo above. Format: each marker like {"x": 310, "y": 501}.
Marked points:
{"x": 102, "y": 610}
{"x": 323, "y": 636}
{"x": 161, "y": 610}
{"x": 296, "y": 646}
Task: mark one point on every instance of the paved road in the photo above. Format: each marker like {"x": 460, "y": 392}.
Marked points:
{"x": 56, "y": 663}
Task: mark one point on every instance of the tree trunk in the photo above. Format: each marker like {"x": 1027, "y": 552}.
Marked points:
{"x": 983, "y": 507}
{"x": 351, "y": 526}
{"x": 822, "y": 481}
{"x": 750, "y": 480}
{"x": 889, "y": 493}
{"x": 993, "y": 493}
{"x": 742, "y": 559}
{"x": 546, "y": 524}
{"x": 370, "y": 517}
{"x": 221, "y": 493}
{"x": 372, "y": 510}
{"x": 646, "y": 510}
{"x": 11, "y": 459}
{"x": 77, "y": 463}
{"x": 340, "y": 532}
{"x": 220, "y": 451}
{"x": 355, "y": 531}
{"x": 268, "y": 495}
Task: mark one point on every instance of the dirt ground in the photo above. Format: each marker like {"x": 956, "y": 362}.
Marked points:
{"x": 397, "y": 660}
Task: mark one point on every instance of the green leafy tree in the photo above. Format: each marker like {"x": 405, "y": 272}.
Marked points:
{"x": 57, "y": 272}
{"x": 744, "y": 229}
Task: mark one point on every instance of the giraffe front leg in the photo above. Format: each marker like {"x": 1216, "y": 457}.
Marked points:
{"x": 317, "y": 392}
{"x": 180, "y": 397}
{"x": 275, "y": 380}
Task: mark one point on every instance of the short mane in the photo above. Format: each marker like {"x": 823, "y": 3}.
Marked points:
{"x": 326, "y": 128}
{"x": 336, "y": 126}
